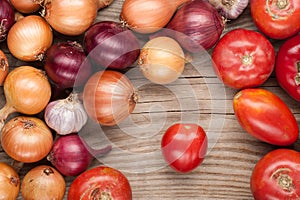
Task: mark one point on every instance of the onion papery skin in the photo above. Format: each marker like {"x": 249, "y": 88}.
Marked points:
{"x": 67, "y": 65}
{"x": 26, "y": 6}
{"x": 4, "y": 67}
{"x": 71, "y": 155}
{"x": 66, "y": 116}
{"x": 111, "y": 45}
{"x": 27, "y": 90}
{"x": 109, "y": 97}
{"x": 197, "y": 26}
{"x": 70, "y": 18}
{"x": 43, "y": 182}
{"x": 148, "y": 16}
{"x": 7, "y": 18}
{"x": 29, "y": 38}
{"x": 10, "y": 182}
{"x": 26, "y": 139}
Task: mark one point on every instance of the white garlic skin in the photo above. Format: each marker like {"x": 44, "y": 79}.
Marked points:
{"x": 66, "y": 116}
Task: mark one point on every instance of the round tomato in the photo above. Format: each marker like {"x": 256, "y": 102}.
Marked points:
{"x": 265, "y": 116}
{"x": 287, "y": 68}
{"x": 278, "y": 19}
{"x": 276, "y": 176}
{"x": 184, "y": 146}
{"x": 243, "y": 58}
{"x": 101, "y": 182}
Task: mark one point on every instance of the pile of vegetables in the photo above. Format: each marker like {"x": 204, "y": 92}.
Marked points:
{"x": 89, "y": 74}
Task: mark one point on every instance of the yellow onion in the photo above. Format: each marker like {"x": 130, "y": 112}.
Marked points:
{"x": 29, "y": 38}
{"x": 26, "y": 6}
{"x": 4, "y": 67}
{"x": 27, "y": 90}
{"x": 162, "y": 60}
{"x": 26, "y": 139}
{"x": 109, "y": 97}
{"x": 70, "y": 17}
{"x": 10, "y": 182}
{"x": 148, "y": 16}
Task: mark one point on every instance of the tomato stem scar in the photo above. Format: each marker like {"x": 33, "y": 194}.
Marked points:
{"x": 297, "y": 77}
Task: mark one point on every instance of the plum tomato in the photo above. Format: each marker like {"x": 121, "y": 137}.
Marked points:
{"x": 276, "y": 176}
{"x": 265, "y": 116}
{"x": 287, "y": 67}
{"x": 184, "y": 146}
{"x": 277, "y": 19}
{"x": 243, "y": 58}
{"x": 100, "y": 182}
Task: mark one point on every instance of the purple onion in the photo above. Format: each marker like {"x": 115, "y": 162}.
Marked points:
{"x": 197, "y": 25}
{"x": 67, "y": 65}
{"x": 111, "y": 45}
{"x": 7, "y": 18}
{"x": 70, "y": 155}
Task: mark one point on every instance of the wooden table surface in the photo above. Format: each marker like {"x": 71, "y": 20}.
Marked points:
{"x": 199, "y": 97}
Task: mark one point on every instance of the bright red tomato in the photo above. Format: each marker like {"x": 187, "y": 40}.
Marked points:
{"x": 243, "y": 58}
{"x": 276, "y": 176}
{"x": 287, "y": 68}
{"x": 100, "y": 183}
{"x": 184, "y": 146}
{"x": 278, "y": 19}
{"x": 265, "y": 116}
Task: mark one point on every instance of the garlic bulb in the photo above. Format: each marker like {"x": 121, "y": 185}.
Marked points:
{"x": 66, "y": 116}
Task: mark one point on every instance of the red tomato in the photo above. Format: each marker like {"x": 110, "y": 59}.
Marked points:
{"x": 100, "y": 183}
{"x": 243, "y": 58}
{"x": 265, "y": 116}
{"x": 276, "y": 176}
{"x": 184, "y": 146}
{"x": 287, "y": 68}
{"x": 278, "y": 19}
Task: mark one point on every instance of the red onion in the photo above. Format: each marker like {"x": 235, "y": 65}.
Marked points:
{"x": 197, "y": 25}
{"x": 66, "y": 64}
{"x": 71, "y": 155}
{"x": 7, "y": 18}
{"x": 111, "y": 45}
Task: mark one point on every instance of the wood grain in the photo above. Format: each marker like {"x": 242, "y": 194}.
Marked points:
{"x": 198, "y": 96}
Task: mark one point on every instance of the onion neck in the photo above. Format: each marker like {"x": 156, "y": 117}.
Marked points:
{"x": 4, "y": 112}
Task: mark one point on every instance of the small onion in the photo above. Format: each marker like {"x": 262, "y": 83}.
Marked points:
{"x": 111, "y": 45}
{"x": 66, "y": 116}
{"x": 230, "y": 9}
{"x": 26, "y": 139}
{"x": 26, "y": 6}
{"x": 148, "y": 16}
{"x": 4, "y": 67}
{"x": 10, "y": 182}
{"x": 7, "y": 18}
{"x": 43, "y": 182}
{"x": 29, "y": 38}
{"x": 71, "y": 155}
{"x": 70, "y": 17}
{"x": 109, "y": 97}
{"x": 162, "y": 60}
{"x": 197, "y": 25}
{"x": 27, "y": 90}
{"x": 66, "y": 64}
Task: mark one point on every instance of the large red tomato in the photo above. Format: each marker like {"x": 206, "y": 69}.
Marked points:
{"x": 276, "y": 176}
{"x": 287, "y": 68}
{"x": 243, "y": 58}
{"x": 184, "y": 146}
{"x": 101, "y": 182}
{"x": 265, "y": 116}
{"x": 278, "y": 19}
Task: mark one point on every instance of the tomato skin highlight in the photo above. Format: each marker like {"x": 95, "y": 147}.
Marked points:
{"x": 287, "y": 68}
{"x": 100, "y": 182}
{"x": 276, "y": 18}
{"x": 265, "y": 116}
{"x": 243, "y": 59}
{"x": 184, "y": 146}
{"x": 276, "y": 176}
